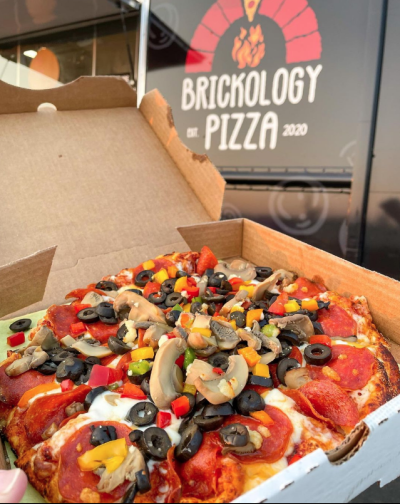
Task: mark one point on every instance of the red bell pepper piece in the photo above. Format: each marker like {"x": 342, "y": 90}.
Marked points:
{"x": 295, "y": 459}
{"x": 115, "y": 375}
{"x": 79, "y": 307}
{"x": 278, "y": 308}
{"x": 78, "y": 329}
{"x": 212, "y": 289}
{"x": 322, "y": 340}
{"x": 151, "y": 288}
{"x": 171, "y": 336}
{"x": 191, "y": 281}
{"x": 193, "y": 292}
{"x": 16, "y": 339}
{"x": 133, "y": 392}
{"x": 99, "y": 377}
{"x": 164, "y": 420}
{"x": 67, "y": 385}
{"x": 180, "y": 361}
{"x": 218, "y": 371}
{"x": 181, "y": 407}
{"x": 141, "y": 342}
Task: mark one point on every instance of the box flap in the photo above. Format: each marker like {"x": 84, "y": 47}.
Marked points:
{"x": 97, "y": 179}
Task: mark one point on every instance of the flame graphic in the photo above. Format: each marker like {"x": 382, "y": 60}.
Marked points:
{"x": 249, "y": 49}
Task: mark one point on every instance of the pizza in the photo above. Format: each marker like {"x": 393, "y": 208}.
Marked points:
{"x": 189, "y": 379}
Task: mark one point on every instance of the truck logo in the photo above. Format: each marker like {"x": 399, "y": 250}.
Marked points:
{"x": 296, "y": 19}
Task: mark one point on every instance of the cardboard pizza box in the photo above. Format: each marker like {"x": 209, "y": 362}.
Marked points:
{"x": 98, "y": 185}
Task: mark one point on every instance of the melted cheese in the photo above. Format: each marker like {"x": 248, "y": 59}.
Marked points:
{"x": 51, "y": 392}
{"x": 256, "y": 474}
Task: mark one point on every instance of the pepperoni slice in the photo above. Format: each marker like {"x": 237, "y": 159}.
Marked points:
{"x": 273, "y": 448}
{"x": 296, "y": 354}
{"x": 306, "y": 407}
{"x": 61, "y": 318}
{"x": 354, "y": 367}
{"x": 331, "y": 401}
{"x": 102, "y": 332}
{"x": 72, "y": 481}
{"x": 12, "y": 389}
{"x": 307, "y": 289}
{"x": 48, "y": 410}
{"x": 336, "y": 321}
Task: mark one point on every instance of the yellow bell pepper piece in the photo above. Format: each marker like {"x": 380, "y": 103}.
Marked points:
{"x": 146, "y": 353}
{"x": 161, "y": 276}
{"x": 149, "y": 265}
{"x": 233, "y": 324}
{"x": 189, "y": 389}
{"x": 93, "y": 459}
{"x": 310, "y": 305}
{"x": 187, "y": 308}
{"x": 181, "y": 284}
{"x": 292, "y": 306}
{"x": 113, "y": 464}
{"x": 262, "y": 370}
{"x": 172, "y": 271}
{"x": 252, "y": 316}
{"x": 248, "y": 288}
{"x": 204, "y": 332}
{"x": 237, "y": 308}
{"x": 250, "y": 356}
{"x": 262, "y": 417}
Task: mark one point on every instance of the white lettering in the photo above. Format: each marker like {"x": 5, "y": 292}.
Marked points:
{"x": 202, "y": 86}
{"x": 255, "y": 116}
{"x": 296, "y": 87}
{"x": 270, "y": 123}
{"x": 224, "y": 132}
{"x": 223, "y": 99}
{"x": 264, "y": 102}
{"x": 239, "y": 122}
{"x": 188, "y": 95}
{"x": 213, "y": 86}
{"x": 252, "y": 81}
{"x": 279, "y": 99}
{"x": 237, "y": 90}
{"x": 212, "y": 126}
{"x": 314, "y": 74}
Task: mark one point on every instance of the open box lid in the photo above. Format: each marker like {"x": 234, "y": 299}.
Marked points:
{"x": 104, "y": 183}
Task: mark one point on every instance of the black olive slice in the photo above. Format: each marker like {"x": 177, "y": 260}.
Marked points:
{"x": 155, "y": 443}
{"x": 185, "y": 425}
{"x": 212, "y": 309}
{"x": 130, "y": 495}
{"x": 102, "y": 435}
{"x": 260, "y": 381}
{"x": 318, "y": 328}
{"x": 174, "y": 299}
{"x": 105, "y": 310}
{"x": 286, "y": 351}
{"x": 322, "y": 305}
{"x": 107, "y": 286}
{"x": 93, "y": 361}
{"x": 122, "y": 332}
{"x": 136, "y": 291}
{"x": 58, "y": 355}
{"x": 143, "y": 278}
{"x": 291, "y": 337}
{"x": 264, "y": 272}
{"x": 219, "y": 360}
{"x": 210, "y": 297}
{"x": 169, "y": 286}
{"x": 209, "y": 424}
{"x": 21, "y": 325}
{"x": 145, "y": 386}
{"x": 173, "y": 317}
{"x": 317, "y": 355}
{"x": 249, "y": 402}
{"x": 70, "y": 369}
{"x": 235, "y": 435}
{"x": 182, "y": 274}
{"x": 109, "y": 320}
{"x": 209, "y": 273}
{"x": 190, "y": 444}
{"x": 93, "y": 394}
{"x": 143, "y": 481}
{"x": 117, "y": 346}
{"x": 239, "y": 318}
{"x": 138, "y": 379}
{"x": 216, "y": 280}
{"x": 142, "y": 414}
{"x": 49, "y": 368}
{"x": 158, "y": 298}
{"x": 284, "y": 366}
{"x": 192, "y": 403}
{"x": 196, "y": 308}
{"x": 229, "y": 298}
{"x": 135, "y": 436}
{"x": 88, "y": 315}
{"x": 223, "y": 410}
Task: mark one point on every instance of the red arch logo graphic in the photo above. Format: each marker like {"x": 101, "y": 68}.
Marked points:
{"x": 296, "y": 19}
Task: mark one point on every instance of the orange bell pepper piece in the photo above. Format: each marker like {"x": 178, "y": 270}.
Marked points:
{"x": 250, "y": 356}
{"x": 252, "y": 316}
{"x": 262, "y": 417}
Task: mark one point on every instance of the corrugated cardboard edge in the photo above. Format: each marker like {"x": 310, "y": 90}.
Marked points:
{"x": 202, "y": 176}
{"x": 23, "y": 282}
{"x": 350, "y": 446}
{"x": 86, "y": 93}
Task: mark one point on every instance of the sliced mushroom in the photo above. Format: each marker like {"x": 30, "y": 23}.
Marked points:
{"x": 199, "y": 342}
{"x": 272, "y": 344}
{"x": 49, "y": 433}
{"x": 240, "y": 296}
{"x": 296, "y": 378}
{"x": 154, "y": 333}
{"x": 207, "y": 352}
{"x": 228, "y": 386}
{"x": 41, "y": 335}
{"x": 268, "y": 358}
{"x": 19, "y": 366}
{"x": 133, "y": 463}
{"x": 180, "y": 332}
{"x": 202, "y": 285}
{"x": 177, "y": 378}
{"x": 227, "y": 338}
{"x": 200, "y": 369}
{"x": 238, "y": 268}
{"x": 299, "y": 324}
{"x": 270, "y": 283}
{"x": 68, "y": 341}
{"x": 202, "y": 321}
{"x": 251, "y": 339}
{"x": 39, "y": 357}
{"x": 91, "y": 351}
{"x": 74, "y": 408}
{"x": 141, "y": 309}
{"x": 162, "y": 388}
{"x": 93, "y": 299}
